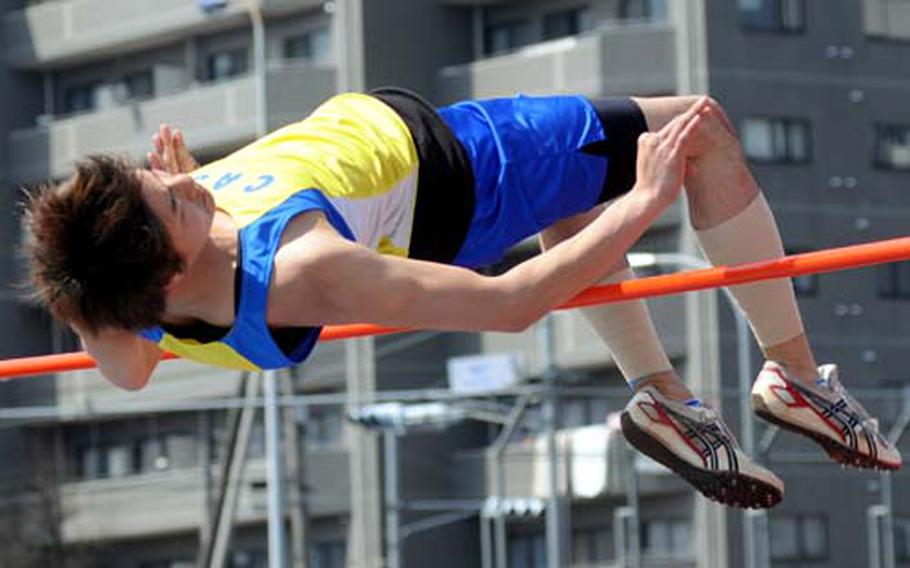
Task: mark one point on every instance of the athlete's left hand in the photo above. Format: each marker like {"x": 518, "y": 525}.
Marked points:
{"x": 169, "y": 152}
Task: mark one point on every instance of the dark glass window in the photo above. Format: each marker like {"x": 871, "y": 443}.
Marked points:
{"x": 80, "y": 98}
{"x": 667, "y": 538}
{"x": 902, "y": 539}
{"x": 566, "y": 22}
{"x": 777, "y": 140}
{"x": 225, "y": 64}
{"x": 329, "y": 554}
{"x": 182, "y": 562}
{"x": 139, "y": 85}
{"x": 650, "y": 10}
{"x": 803, "y": 537}
{"x": 503, "y": 37}
{"x": 528, "y": 551}
{"x": 325, "y": 426}
{"x": 590, "y": 546}
{"x": 892, "y": 146}
{"x": 807, "y": 284}
{"x": 893, "y": 281}
{"x": 248, "y": 559}
{"x": 773, "y": 15}
{"x": 314, "y": 45}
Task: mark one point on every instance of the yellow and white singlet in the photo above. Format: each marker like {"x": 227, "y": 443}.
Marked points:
{"x": 353, "y": 158}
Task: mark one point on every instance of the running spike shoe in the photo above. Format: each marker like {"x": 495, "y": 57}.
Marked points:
{"x": 826, "y": 413}
{"x": 694, "y": 442}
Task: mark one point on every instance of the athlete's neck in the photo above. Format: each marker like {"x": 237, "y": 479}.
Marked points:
{"x": 206, "y": 289}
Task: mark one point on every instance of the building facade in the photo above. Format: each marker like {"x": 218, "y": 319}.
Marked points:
{"x": 103, "y": 478}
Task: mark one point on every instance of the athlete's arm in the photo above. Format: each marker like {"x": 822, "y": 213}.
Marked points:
{"x": 322, "y": 278}
{"x": 124, "y": 358}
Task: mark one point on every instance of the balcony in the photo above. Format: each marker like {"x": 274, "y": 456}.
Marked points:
{"x": 214, "y": 118}
{"x": 173, "y": 501}
{"x": 622, "y": 59}
{"x": 592, "y": 463}
{"x": 888, "y": 19}
{"x": 68, "y": 32}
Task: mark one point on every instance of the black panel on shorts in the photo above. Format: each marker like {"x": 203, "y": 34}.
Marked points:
{"x": 623, "y": 122}
{"x": 445, "y": 180}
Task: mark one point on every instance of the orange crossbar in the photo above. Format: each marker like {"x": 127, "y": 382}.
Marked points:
{"x": 829, "y": 260}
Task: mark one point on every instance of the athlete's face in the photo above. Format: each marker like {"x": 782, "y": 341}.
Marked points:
{"x": 184, "y": 207}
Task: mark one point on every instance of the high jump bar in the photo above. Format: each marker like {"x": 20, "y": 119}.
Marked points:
{"x": 827, "y": 260}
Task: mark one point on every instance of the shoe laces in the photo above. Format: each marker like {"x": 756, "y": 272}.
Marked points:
{"x": 829, "y": 380}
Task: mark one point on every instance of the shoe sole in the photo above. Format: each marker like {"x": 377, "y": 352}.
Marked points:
{"x": 726, "y": 487}
{"x": 838, "y": 452}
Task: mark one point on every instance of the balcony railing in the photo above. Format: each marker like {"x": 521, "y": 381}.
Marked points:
{"x": 622, "y": 59}
{"x": 70, "y": 31}
{"x": 213, "y": 117}
{"x": 174, "y": 501}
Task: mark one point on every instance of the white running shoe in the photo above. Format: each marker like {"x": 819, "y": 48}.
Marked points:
{"x": 696, "y": 444}
{"x": 826, "y": 413}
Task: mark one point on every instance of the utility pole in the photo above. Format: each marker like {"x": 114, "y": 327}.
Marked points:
{"x": 274, "y": 470}
{"x": 295, "y": 462}
{"x": 556, "y": 539}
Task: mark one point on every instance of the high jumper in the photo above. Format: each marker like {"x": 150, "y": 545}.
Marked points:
{"x": 375, "y": 208}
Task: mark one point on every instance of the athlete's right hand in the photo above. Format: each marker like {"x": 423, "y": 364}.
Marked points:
{"x": 169, "y": 152}
{"x": 663, "y": 156}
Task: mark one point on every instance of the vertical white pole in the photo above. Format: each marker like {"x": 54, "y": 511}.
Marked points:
{"x": 274, "y": 472}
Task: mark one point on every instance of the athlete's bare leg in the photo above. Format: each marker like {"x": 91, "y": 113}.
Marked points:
{"x": 719, "y": 187}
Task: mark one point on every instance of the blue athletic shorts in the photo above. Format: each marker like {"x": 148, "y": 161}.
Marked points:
{"x": 535, "y": 160}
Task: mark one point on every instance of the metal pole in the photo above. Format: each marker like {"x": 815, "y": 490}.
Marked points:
{"x": 486, "y": 546}
{"x": 259, "y": 55}
{"x": 555, "y": 547}
{"x": 496, "y": 512}
{"x": 633, "y": 559}
{"x": 874, "y": 527}
{"x": 887, "y": 524}
{"x": 755, "y": 548}
{"x": 392, "y": 502}
{"x": 274, "y": 472}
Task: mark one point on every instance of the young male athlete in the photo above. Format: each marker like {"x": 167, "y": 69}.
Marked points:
{"x": 372, "y": 208}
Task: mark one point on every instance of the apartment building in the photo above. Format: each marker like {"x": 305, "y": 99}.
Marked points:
{"x": 133, "y": 480}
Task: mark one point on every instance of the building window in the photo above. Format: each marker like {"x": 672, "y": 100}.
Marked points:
{"x": 892, "y": 146}
{"x": 80, "y": 98}
{"x": 648, "y": 10}
{"x": 773, "y": 15}
{"x": 503, "y": 37}
{"x": 225, "y": 64}
{"x": 329, "y": 554}
{"x": 801, "y": 538}
{"x": 528, "y": 551}
{"x": 886, "y": 19}
{"x": 590, "y": 546}
{"x": 667, "y": 538}
{"x": 902, "y": 539}
{"x": 248, "y": 559}
{"x": 324, "y": 426}
{"x": 777, "y": 140}
{"x": 169, "y": 563}
{"x": 135, "y": 456}
{"x": 150, "y": 455}
{"x": 566, "y": 22}
{"x": 807, "y": 284}
{"x": 893, "y": 281}
{"x": 138, "y": 85}
{"x": 314, "y": 46}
